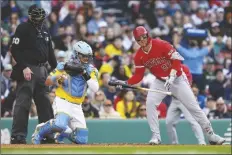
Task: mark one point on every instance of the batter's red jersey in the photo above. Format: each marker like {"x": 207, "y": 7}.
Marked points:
{"x": 187, "y": 72}
{"x": 158, "y": 61}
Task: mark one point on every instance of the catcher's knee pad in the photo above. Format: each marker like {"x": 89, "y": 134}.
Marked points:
{"x": 80, "y": 136}
{"x": 61, "y": 121}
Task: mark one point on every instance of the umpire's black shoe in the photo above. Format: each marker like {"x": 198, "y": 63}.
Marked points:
{"x": 18, "y": 140}
{"x": 48, "y": 140}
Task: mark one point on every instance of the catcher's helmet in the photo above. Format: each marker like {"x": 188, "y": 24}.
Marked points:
{"x": 82, "y": 49}
{"x": 37, "y": 14}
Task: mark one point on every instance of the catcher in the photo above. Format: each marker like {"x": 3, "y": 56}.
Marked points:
{"x": 73, "y": 78}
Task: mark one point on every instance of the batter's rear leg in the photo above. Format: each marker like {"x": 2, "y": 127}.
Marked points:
{"x": 183, "y": 92}
{"x": 195, "y": 126}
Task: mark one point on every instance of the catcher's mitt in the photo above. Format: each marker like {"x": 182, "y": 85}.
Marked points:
{"x": 73, "y": 69}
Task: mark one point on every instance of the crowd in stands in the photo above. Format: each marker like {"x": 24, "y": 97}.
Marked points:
{"x": 107, "y": 26}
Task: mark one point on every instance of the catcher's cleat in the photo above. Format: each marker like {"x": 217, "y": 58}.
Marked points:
{"x": 36, "y": 139}
{"x": 59, "y": 138}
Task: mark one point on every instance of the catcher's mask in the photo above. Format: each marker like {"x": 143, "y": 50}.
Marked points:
{"x": 37, "y": 15}
{"x": 83, "y": 51}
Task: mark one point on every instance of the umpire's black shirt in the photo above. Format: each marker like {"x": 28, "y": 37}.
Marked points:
{"x": 32, "y": 47}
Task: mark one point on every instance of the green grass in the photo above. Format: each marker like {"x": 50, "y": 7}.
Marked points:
{"x": 119, "y": 149}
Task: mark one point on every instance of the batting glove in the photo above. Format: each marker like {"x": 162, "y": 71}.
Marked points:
{"x": 170, "y": 79}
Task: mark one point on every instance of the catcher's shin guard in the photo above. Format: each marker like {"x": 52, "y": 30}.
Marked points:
{"x": 79, "y": 136}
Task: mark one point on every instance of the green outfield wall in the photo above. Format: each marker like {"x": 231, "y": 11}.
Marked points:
{"x": 126, "y": 131}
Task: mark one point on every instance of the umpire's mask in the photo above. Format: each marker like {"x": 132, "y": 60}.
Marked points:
{"x": 37, "y": 15}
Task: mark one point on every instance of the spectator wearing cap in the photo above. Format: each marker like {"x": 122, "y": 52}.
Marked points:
{"x": 6, "y": 81}
{"x": 111, "y": 21}
{"x": 210, "y": 105}
{"x": 217, "y": 32}
{"x": 102, "y": 25}
{"x": 92, "y": 25}
{"x": 221, "y": 110}
{"x": 209, "y": 71}
{"x": 217, "y": 86}
{"x": 108, "y": 111}
{"x": 60, "y": 57}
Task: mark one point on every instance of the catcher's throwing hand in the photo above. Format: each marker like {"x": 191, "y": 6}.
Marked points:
{"x": 61, "y": 78}
{"x": 73, "y": 69}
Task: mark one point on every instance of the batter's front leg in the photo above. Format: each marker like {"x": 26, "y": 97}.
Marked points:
{"x": 152, "y": 102}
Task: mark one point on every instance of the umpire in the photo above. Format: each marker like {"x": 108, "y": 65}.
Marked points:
{"x": 31, "y": 48}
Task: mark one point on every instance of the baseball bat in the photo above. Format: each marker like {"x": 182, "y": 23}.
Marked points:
{"x": 114, "y": 83}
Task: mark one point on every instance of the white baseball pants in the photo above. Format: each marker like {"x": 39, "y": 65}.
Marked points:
{"x": 175, "y": 109}
{"x": 73, "y": 110}
{"x": 183, "y": 92}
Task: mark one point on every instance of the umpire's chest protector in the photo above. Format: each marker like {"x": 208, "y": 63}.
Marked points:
{"x": 33, "y": 39}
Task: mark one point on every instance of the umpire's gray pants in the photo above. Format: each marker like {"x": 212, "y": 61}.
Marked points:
{"x": 26, "y": 90}
{"x": 174, "y": 111}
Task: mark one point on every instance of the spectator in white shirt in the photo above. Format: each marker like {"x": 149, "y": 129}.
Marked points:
{"x": 108, "y": 111}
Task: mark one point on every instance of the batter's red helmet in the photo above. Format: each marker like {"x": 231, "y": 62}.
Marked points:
{"x": 139, "y": 31}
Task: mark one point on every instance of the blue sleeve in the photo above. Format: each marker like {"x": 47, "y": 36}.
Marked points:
{"x": 192, "y": 53}
{"x": 201, "y": 99}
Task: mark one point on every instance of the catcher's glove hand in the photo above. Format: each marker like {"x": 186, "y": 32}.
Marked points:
{"x": 73, "y": 69}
